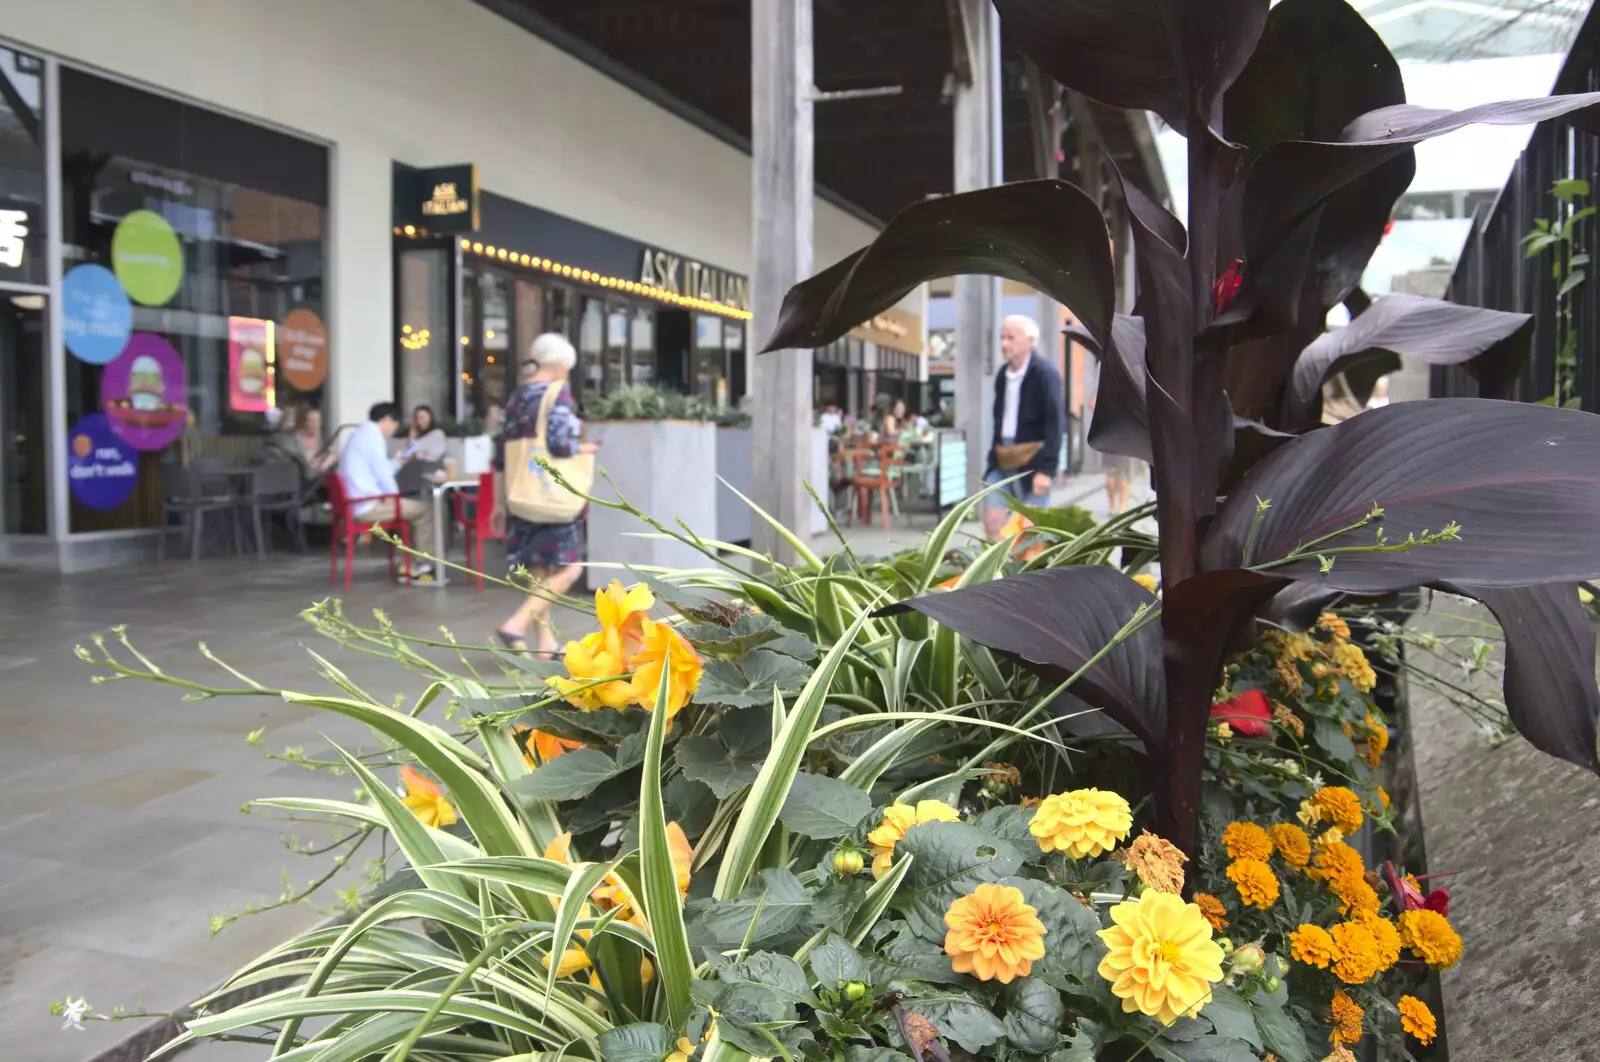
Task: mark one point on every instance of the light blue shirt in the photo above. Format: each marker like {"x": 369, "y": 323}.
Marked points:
{"x": 365, "y": 465}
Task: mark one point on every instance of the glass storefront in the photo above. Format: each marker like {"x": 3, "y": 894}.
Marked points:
{"x": 193, "y": 250}
{"x": 24, "y": 376}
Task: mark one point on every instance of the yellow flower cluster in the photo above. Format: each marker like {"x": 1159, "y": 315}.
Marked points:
{"x": 1377, "y": 741}
{"x": 1331, "y": 658}
{"x": 1339, "y": 806}
{"x": 1357, "y": 951}
{"x": 628, "y": 641}
{"x": 1081, "y": 823}
{"x": 1340, "y": 868}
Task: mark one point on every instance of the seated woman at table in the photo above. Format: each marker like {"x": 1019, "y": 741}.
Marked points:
{"x": 552, "y": 553}
{"x": 425, "y": 441}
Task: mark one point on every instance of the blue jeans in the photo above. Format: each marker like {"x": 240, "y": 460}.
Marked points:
{"x": 1020, "y": 489}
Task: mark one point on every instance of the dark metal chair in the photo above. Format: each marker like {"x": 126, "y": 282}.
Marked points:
{"x": 191, "y": 491}
{"x": 275, "y": 488}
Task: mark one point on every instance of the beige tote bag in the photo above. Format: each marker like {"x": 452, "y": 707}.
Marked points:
{"x": 532, "y": 493}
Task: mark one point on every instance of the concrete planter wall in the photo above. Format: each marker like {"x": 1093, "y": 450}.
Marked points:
{"x": 667, "y": 469}
{"x": 733, "y": 466}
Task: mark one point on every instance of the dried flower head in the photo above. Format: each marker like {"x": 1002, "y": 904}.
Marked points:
{"x": 1212, "y": 908}
{"x": 1345, "y": 1015}
{"x": 1157, "y": 862}
{"x": 1288, "y": 720}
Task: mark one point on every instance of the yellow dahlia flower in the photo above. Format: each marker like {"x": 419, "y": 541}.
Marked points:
{"x": 1160, "y": 958}
{"x": 1312, "y": 945}
{"x": 1084, "y": 822}
{"x": 620, "y": 611}
{"x": 1246, "y": 840}
{"x": 897, "y": 820}
{"x": 1257, "y": 884}
{"x": 1430, "y": 935}
{"x": 993, "y": 934}
{"x": 1418, "y": 1020}
{"x": 588, "y": 660}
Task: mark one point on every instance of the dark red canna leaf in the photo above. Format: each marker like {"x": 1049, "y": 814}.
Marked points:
{"x": 1522, "y": 482}
{"x": 1046, "y": 234}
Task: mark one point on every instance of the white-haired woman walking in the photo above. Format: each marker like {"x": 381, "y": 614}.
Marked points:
{"x": 553, "y": 553}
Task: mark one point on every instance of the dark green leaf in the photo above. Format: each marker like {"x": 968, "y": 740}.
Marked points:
{"x": 641, "y": 1042}
{"x": 595, "y": 728}
{"x": 690, "y": 804}
{"x": 572, "y": 776}
{"x": 1034, "y": 1014}
{"x": 1072, "y": 951}
{"x": 952, "y": 859}
{"x": 1085, "y": 1043}
{"x": 1280, "y": 1033}
{"x": 1008, "y": 822}
{"x": 907, "y": 957}
{"x": 961, "y": 1019}
{"x": 750, "y": 681}
{"x": 783, "y": 904}
{"x": 834, "y": 905}
{"x": 834, "y": 962}
{"x": 1334, "y": 741}
{"x": 1213, "y": 1049}
{"x": 857, "y": 1053}
{"x": 839, "y": 1028}
{"x": 778, "y": 974}
{"x": 1569, "y": 189}
{"x": 1573, "y": 279}
{"x": 706, "y": 760}
{"x": 747, "y": 732}
{"x": 1230, "y": 1016}
{"x": 749, "y": 632}
{"x": 822, "y": 808}
{"x": 1046, "y": 234}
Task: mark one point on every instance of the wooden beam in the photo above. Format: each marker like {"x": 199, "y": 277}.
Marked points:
{"x": 781, "y": 84}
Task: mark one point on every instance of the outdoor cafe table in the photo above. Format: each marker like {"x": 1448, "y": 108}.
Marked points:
{"x": 441, "y": 492}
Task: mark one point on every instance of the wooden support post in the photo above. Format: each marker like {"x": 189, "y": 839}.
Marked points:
{"x": 781, "y": 87}
{"x": 977, "y": 165}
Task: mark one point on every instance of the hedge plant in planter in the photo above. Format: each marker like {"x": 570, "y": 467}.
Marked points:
{"x": 1299, "y": 142}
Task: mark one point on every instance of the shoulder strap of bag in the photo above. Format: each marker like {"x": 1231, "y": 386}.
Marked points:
{"x": 541, "y": 424}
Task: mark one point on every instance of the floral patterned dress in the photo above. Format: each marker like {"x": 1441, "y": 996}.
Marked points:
{"x": 541, "y": 545}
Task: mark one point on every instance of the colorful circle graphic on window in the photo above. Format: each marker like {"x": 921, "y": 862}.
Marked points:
{"x": 96, "y": 316}
{"x": 148, "y": 258}
{"x": 142, "y": 393}
{"x": 102, "y": 469}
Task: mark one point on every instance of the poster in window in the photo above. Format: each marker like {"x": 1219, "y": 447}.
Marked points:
{"x": 302, "y": 349}
{"x": 101, "y": 469}
{"x": 250, "y": 365}
{"x": 96, "y": 316}
{"x": 147, "y": 257}
{"x": 142, "y": 393}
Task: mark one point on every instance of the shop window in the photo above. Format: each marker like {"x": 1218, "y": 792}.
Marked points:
{"x": 616, "y": 349}
{"x": 23, "y": 368}
{"x": 427, "y": 355}
{"x": 591, "y": 346}
{"x": 485, "y": 361}
{"x": 193, "y": 255}
{"x": 22, "y": 198}
{"x": 710, "y": 358}
{"x": 643, "y": 346}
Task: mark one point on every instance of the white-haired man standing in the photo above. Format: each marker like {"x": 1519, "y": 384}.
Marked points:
{"x": 1029, "y": 418}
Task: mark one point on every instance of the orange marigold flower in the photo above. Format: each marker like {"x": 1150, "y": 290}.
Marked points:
{"x": 1387, "y": 936}
{"x": 1160, "y": 958}
{"x": 1339, "y": 806}
{"x": 1257, "y": 884}
{"x": 1418, "y": 1020}
{"x": 993, "y": 934}
{"x": 1334, "y": 625}
{"x": 1352, "y": 663}
{"x": 1246, "y": 840}
{"x": 1030, "y": 802}
{"x": 1288, "y": 720}
{"x": 1355, "y": 893}
{"x": 1312, "y": 945}
{"x": 1083, "y": 822}
{"x": 1332, "y": 859}
{"x": 1345, "y": 1015}
{"x": 1213, "y": 910}
{"x": 1157, "y": 862}
{"x": 1004, "y": 773}
{"x": 1359, "y": 958}
{"x": 1430, "y": 935}
{"x": 1292, "y": 844}
{"x": 1383, "y": 798}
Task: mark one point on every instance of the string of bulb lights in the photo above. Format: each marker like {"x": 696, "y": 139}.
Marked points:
{"x": 587, "y": 276}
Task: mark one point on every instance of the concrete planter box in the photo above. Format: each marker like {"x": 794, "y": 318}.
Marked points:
{"x": 667, "y": 469}
{"x": 734, "y": 467}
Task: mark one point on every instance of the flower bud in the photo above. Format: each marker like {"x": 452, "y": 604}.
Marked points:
{"x": 854, "y": 990}
{"x": 1226, "y": 945}
{"x": 1249, "y": 958}
{"x": 1273, "y": 984}
{"x": 848, "y": 862}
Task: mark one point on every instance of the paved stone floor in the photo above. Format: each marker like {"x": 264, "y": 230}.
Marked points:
{"x": 120, "y": 824}
{"x": 1521, "y": 828}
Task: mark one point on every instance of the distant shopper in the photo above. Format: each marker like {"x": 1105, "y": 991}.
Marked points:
{"x": 494, "y": 415}
{"x": 1119, "y": 479}
{"x": 830, "y": 420}
{"x": 368, "y": 472}
{"x": 552, "y": 553}
{"x": 1028, "y": 421}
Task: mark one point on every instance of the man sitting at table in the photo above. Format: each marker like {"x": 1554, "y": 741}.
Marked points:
{"x": 368, "y": 472}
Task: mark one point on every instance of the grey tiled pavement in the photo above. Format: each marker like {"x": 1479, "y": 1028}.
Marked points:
{"x": 120, "y": 823}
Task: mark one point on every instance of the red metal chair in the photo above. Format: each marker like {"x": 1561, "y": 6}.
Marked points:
{"x": 475, "y": 526}
{"x": 348, "y": 526}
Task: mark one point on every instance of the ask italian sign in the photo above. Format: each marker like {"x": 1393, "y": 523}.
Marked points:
{"x": 440, "y": 199}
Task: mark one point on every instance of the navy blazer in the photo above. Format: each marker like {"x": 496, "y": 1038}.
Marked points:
{"x": 1041, "y": 413}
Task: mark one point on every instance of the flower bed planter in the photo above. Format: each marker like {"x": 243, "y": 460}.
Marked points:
{"x": 733, "y": 469}
{"x": 667, "y": 469}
